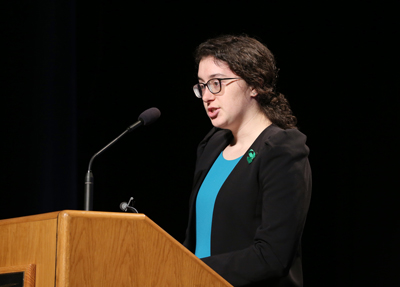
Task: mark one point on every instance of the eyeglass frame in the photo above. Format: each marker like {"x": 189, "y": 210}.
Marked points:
{"x": 200, "y": 90}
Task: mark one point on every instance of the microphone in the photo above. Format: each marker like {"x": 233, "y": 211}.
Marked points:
{"x": 125, "y": 206}
{"x": 147, "y": 117}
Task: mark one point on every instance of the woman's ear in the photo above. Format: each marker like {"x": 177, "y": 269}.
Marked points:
{"x": 253, "y": 93}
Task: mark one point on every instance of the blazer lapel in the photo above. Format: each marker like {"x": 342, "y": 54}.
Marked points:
{"x": 209, "y": 150}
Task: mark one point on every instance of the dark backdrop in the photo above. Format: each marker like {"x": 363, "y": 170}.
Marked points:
{"x": 76, "y": 75}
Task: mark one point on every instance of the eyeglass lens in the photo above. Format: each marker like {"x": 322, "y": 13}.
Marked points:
{"x": 214, "y": 85}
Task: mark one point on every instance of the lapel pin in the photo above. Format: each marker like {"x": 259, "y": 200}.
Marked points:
{"x": 252, "y": 155}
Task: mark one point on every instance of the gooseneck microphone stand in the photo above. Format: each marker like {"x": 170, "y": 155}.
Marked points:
{"x": 145, "y": 118}
{"x": 89, "y": 175}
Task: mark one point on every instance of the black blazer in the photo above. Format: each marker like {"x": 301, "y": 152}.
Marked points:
{"x": 260, "y": 210}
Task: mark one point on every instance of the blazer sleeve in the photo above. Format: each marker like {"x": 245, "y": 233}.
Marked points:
{"x": 285, "y": 185}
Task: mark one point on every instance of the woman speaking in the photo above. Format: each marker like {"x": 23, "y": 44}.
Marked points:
{"x": 252, "y": 181}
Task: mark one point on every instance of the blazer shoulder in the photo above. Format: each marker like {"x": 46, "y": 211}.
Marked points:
{"x": 289, "y": 139}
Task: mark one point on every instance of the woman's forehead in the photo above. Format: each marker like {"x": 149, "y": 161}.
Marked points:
{"x": 210, "y": 67}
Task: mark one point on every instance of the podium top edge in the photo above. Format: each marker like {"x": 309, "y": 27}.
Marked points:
{"x": 37, "y": 217}
{"x": 100, "y": 214}
{"x": 71, "y": 213}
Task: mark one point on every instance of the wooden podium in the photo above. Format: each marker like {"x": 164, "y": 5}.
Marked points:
{"x": 86, "y": 248}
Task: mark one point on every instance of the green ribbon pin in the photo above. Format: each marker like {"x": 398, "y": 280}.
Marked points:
{"x": 252, "y": 155}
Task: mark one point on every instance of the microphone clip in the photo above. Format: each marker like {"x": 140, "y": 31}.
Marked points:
{"x": 126, "y": 206}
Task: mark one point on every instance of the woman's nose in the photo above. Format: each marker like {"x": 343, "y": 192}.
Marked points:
{"x": 207, "y": 95}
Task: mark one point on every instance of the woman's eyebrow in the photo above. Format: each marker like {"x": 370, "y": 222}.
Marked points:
{"x": 213, "y": 76}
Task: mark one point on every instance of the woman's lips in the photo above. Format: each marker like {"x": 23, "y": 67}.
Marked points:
{"x": 213, "y": 112}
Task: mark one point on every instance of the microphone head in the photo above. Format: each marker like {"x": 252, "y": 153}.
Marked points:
{"x": 149, "y": 116}
{"x": 123, "y": 206}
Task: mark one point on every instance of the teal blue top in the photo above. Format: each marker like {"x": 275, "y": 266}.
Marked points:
{"x": 208, "y": 192}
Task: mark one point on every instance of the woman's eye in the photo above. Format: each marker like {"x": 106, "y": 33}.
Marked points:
{"x": 215, "y": 83}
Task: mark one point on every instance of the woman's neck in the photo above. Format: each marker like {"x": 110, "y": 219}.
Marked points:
{"x": 244, "y": 137}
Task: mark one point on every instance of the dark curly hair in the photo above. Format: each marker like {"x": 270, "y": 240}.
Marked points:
{"x": 254, "y": 63}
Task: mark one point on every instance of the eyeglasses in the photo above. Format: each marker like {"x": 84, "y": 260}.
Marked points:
{"x": 213, "y": 85}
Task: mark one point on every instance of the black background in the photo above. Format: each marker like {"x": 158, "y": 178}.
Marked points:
{"x": 12, "y": 279}
{"x": 76, "y": 75}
